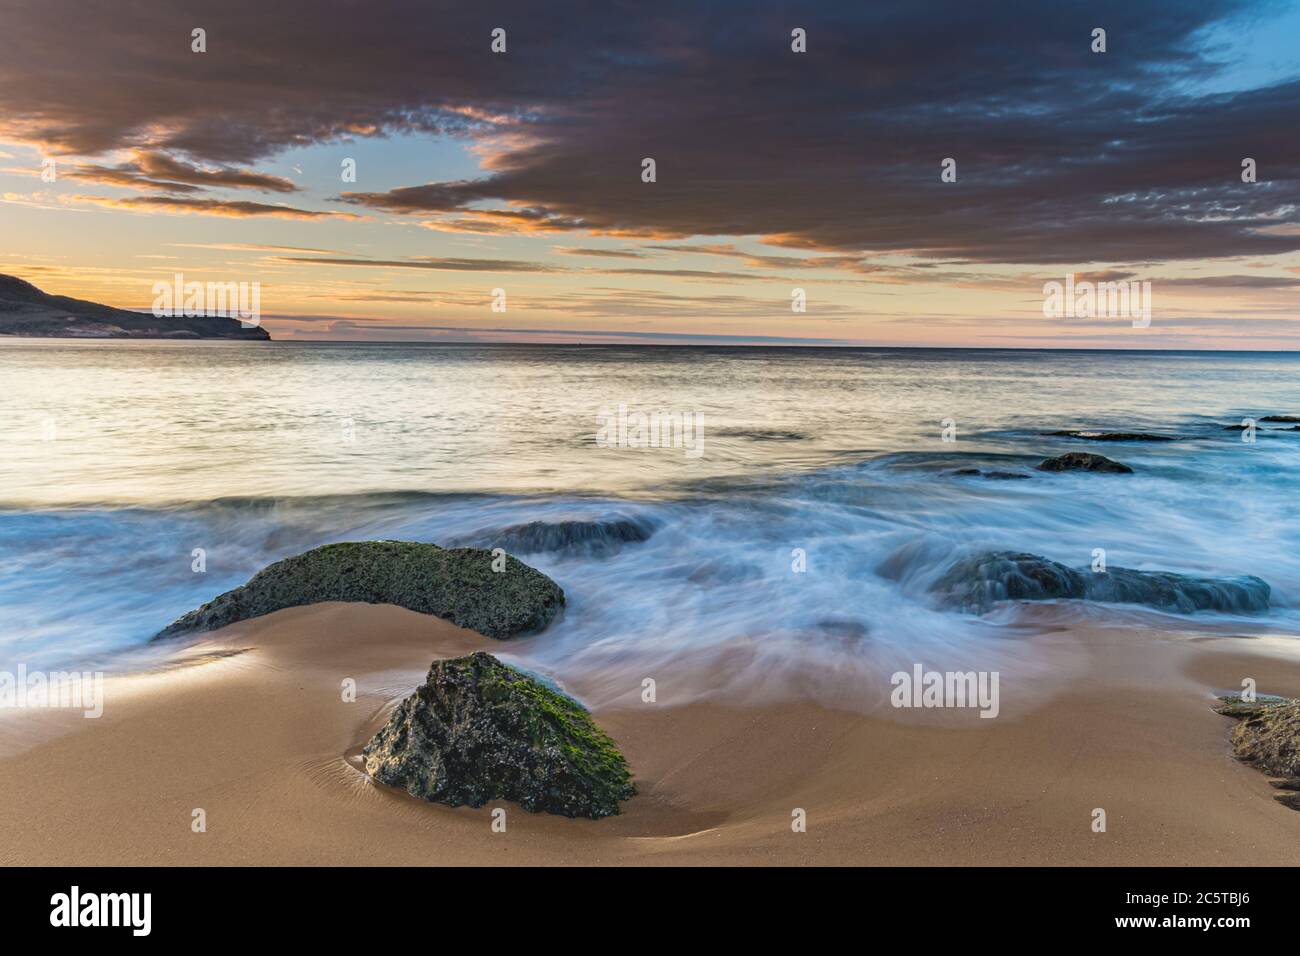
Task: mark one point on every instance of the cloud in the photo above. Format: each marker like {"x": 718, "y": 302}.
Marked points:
{"x": 157, "y": 171}
{"x": 436, "y": 264}
{"x": 602, "y": 253}
{"x": 1063, "y": 156}
{"x": 237, "y": 209}
{"x": 250, "y": 247}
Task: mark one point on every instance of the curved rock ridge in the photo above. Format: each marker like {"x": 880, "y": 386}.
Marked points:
{"x": 478, "y": 730}
{"x": 1082, "y": 461}
{"x": 590, "y": 538}
{"x": 458, "y": 584}
{"x": 979, "y": 581}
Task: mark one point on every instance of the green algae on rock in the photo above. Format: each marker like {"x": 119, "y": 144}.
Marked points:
{"x": 458, "y": 584}
{"x": 1267, "y": 737}
{"x": 478, "y": 730}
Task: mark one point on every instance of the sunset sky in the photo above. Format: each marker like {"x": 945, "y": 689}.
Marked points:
{"x": 776, "y": 170}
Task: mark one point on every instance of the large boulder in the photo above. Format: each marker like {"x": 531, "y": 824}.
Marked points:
{"x": 477, "y": 730}
{"x": 978, "y": 581}
{"x": 1082, "y": 461}
{"x": 458, "y": 584}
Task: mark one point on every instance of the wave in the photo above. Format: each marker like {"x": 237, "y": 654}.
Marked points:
{"x": 789, "y": 577}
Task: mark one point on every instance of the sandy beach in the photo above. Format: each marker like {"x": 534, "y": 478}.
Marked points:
{"x": 253, "y": 730}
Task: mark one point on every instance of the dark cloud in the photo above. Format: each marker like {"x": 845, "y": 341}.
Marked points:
{"x": 1063, "y": 156}
{"x": 602, "y": 253}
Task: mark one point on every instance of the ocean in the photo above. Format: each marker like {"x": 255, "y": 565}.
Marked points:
{"x": 798, "y": 526}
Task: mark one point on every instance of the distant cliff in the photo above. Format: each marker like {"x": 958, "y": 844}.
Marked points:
{"x": 27, "y": 311}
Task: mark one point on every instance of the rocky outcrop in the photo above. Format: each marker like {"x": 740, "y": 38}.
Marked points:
{"x": 1111, "y": 436}
{"x": 458, "y": 584}
{"x": 477, "y": 730}
{"x": 1081, "y": 461}
{"x": 1267, "y": 738}
{"x": 27, "y": 311}
{"x": 979, "y": 581}
{"x": 1280, "y": 418}
{"x": 588, "y": 538}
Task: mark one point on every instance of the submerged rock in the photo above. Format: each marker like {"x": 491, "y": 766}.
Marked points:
{"x": 1082, "y": 461}
{"x": 1111, "y": 436}
{"x": 979, "y": 581}
{"x": 991, "y": 475}
{"x": 477, "y": 730}
{"x": 458, "y": 584}
{"x": 1268, "y": 739}
{"x": 765, "y": 434}
{"x": 592, "y": 538}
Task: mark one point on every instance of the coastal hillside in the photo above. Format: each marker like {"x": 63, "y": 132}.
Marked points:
{"x": 27, "y": 311}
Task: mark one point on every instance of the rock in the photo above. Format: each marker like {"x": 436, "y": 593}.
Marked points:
{"x": 590, "y": 538}
{"x": 453, "y": 583}
{"x": 991, "y": 475}
{"x": 764, "y": 434}
{"x": 976, "y": 582}
{"x": 1081, "y": 461}
{"x": 1280, "y": 418}
{"x": 1267, "y": 738}
{"x": 477, "y": 730}
{"x": 1242, "y": 428}
{"x": 1234, "y": 706}
{"x": 1111, "y": 436}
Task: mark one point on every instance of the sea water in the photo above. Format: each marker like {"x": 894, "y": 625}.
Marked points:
{"x": 138, "y": 480}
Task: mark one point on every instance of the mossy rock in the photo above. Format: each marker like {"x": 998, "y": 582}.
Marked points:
{"x": 1268, "y": 735}
{"x": 457, "y": 584}
{"x": 478, "y": 730}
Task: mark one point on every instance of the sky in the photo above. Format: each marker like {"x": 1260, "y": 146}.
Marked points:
{"x": 776, "y": 170}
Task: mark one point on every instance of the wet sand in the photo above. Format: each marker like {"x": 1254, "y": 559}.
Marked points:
{"x": 256, "y": 733}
